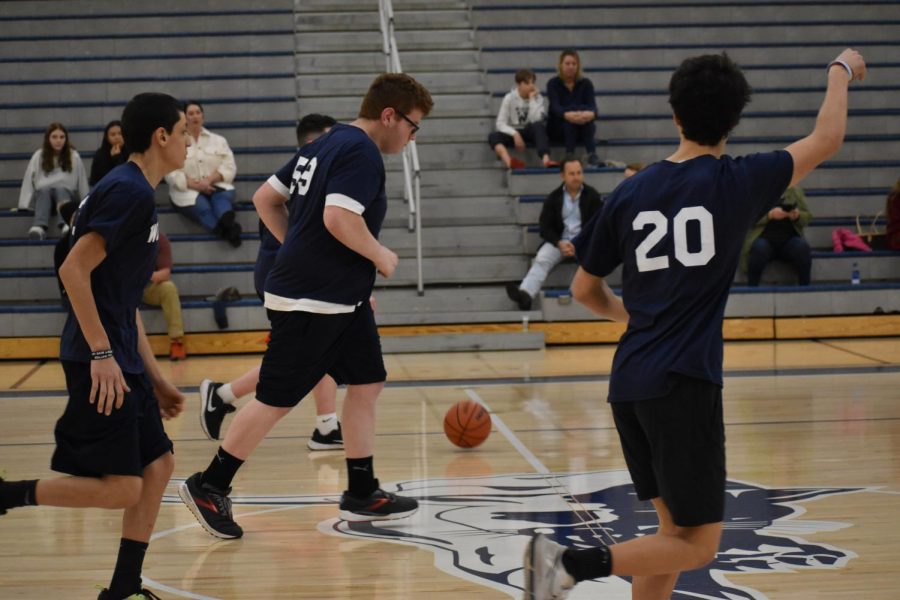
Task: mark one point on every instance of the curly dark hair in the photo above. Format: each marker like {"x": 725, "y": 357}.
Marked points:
{"x": 707, "y": 94}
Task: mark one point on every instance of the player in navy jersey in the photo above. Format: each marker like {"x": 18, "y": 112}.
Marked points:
{"x": 677, "y": 228}
{"x": 111, "y": 437}
{"x": 217, "y": 399}
{"x": 317, "y": 296}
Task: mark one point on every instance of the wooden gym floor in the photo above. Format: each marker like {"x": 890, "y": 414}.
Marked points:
{"x": 813, "y": 453}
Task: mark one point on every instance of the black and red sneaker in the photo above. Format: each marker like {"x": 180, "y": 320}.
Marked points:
{"x": 379, "y": 506}
{"x": 211, "y": 507}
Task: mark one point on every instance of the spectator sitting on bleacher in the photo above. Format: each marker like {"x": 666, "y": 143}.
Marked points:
{"x": 520, "y": 121}
{"x": 203, "y": 191}
{"x": 779, "y": 235}
{"x": 110, "y": 154}
{"x": 892, "y": 214}
{"x": 566, "y": 209}
{"x": 161, "y": 291}
{"x": 573, "y": 107}
{"x": 55, "y": 175}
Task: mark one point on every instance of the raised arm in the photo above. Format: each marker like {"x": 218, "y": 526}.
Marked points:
{"x": 831, "y": 123}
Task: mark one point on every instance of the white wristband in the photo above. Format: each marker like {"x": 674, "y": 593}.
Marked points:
{"x": 843, "y": 64}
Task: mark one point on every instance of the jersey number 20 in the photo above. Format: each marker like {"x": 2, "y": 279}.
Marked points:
{"x": 303, "y": 173}
{"x": 660, "y": 225}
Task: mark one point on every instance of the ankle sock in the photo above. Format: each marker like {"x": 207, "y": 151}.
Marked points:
{"x": 327, "y": 423}
{"x": 14, "y": 494}
{"x": 126, "y": 578}
{"x": 361, "y": 477}
{"x": 221, "y": 470}
{"x": 591, "y": 563}
{"x": 226, "y": 394}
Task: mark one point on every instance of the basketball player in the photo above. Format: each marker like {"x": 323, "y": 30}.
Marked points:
{"x": 317, "y": 299}
{"x": 677, "y": 226}
{"x": 110, "y": 437}
{"x": 217, "y": 399}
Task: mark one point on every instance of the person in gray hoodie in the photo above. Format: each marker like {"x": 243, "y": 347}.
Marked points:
{"x": 55, "y": 176}
{"x": 521, "y": 120}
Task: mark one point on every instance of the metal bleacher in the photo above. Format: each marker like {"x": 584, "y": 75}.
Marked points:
{"x": 258, "y": 67}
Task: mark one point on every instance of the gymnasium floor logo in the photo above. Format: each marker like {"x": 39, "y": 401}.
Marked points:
{"x": 477, "y": 529}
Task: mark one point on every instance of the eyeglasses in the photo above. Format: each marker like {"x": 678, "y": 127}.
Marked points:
{"x": 415, "y": 126}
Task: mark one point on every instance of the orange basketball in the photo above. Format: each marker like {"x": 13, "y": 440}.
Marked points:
{"x": 467, "y": 424}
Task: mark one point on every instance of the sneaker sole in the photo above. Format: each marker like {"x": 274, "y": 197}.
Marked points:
{"x": 188, "y": 501}
{"x": 320, "y": 446}
{"x": 204, "y": 390}
{"x": 358, "y": 518}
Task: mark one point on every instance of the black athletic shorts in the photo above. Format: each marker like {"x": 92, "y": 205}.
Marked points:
{"x": 306, "y": 346}
{"x": 90, "y": 444}
{"x": 675, "y": 449}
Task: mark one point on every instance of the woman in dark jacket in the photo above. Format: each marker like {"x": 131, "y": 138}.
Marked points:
{"x": 573, "y": 107}
{"x": 110, "y": 154}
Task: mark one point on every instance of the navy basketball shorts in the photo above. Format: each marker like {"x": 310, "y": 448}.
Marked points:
{"x": 90, "y": 444}
{"x": 674, "y": 447}
{"x": 306, "y": 346}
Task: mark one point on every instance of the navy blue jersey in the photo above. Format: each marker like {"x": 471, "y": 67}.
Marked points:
{"x": 313, "y": 271}
{"x": 121, "y": 209}
{"x": 677, "y": 229}
{"x": 265, "y": 258}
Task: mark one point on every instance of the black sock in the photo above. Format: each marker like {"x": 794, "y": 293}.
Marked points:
{"x": 126, "y": 579}
{"x": 221, "y": 470}
{"x": 361, "y": 477}
{"x": 590, "y": 563}
{"x": 14, "y": 494}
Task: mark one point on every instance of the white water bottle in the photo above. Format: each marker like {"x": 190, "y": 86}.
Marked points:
{"x": 854, "y": 274}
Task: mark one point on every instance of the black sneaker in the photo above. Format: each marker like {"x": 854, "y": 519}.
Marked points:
{"x": 330, "y": 441}
{"x": 212, "y": 409}
{"x": 144, "y": 594}
{"x": 519, "y": 296}
{"x": 379, "y": 506}
{"x": 211, "y": 507}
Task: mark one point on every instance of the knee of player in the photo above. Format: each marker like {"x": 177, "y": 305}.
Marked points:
{"x": 122, "y": 492}
{"x": 169, "y": 286}
{"x": 704, "y": 551}
{"x": 162, "y": 467}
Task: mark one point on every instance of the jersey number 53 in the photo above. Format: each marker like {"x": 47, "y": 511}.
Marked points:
{"x": 660, "y": 227}
{"x": 303, "y": 174}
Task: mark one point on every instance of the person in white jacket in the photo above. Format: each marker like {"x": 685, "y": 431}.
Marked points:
{"x": 203, "y": 190}
{"x": 55, "y": 176}
{"x": 521, "y": 120}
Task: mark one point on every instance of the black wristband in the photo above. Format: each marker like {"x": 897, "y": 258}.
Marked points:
{"x": 102, "y": 354}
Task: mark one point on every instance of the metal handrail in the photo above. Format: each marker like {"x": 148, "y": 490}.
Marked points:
{"x": 412, "y": 175}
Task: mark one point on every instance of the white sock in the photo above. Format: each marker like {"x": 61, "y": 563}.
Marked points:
{"x": 226, "y": 394}
{"x": 327, "y": 423}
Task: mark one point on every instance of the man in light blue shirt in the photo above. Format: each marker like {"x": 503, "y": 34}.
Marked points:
{"x": 565, "y": 210}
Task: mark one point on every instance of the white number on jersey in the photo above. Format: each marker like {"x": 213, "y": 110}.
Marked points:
{"x": 660, "y": 225}
{"x": 303, "y": 174}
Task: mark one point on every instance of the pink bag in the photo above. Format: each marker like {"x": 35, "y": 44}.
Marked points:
{"x": 842, "y": 239}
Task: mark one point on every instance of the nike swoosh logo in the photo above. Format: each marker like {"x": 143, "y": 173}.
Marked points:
{"x": 209, "y": 405}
